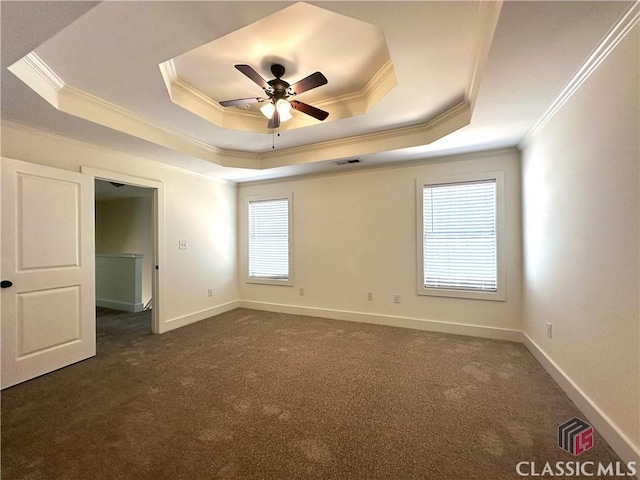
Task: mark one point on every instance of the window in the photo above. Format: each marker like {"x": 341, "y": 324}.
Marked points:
{"x": 269, "y": 240}
{"x": 460, "y": 228}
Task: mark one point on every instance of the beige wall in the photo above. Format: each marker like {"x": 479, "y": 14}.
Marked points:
{"x": 126, "y": 226}
{"x": 198, "y": 209}
{"x": 356, "y": 233}
{"x": 581, "y": 244}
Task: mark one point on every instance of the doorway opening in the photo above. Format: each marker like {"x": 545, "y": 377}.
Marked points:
{"x": 128, "y": 247}
{"x": 125, "y": 259}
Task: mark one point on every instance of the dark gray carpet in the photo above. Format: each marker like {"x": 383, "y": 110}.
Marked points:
{"x": 255, "y": 395}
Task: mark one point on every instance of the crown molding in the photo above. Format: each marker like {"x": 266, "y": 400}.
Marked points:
{"x": 382, "y": 82}
{"x": 195, "y": 101}
{"x": 69, "y": 99}
{"x": 351, "y": 104}
{"x": 83, "y": 104}
{"x": 190, "y": 98}
{"x": 33, "y": 71}
{"x": 489, "y": 13}
{"x": 404, "y": 137}
{"x": 611, "y": 40}
{"x": 42, "y": 69}
{"x": 7, "y": 124}
{"x": 169, "y": 74}
{"x": 364, "y": 167}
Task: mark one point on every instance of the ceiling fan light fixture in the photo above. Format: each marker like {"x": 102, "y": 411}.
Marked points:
{"x": 283, "y": 106}
{"x": 267, "y": 110}
{"x": 284, "y": 109}
{"x": 285, "y": 116}
{"x": 278, "y": 91}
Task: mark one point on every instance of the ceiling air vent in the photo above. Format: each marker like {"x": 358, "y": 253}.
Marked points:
{"x": 347, "y": 162}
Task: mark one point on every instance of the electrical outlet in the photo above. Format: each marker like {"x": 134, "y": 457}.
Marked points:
{"x": 370, "y": 296}
{"x": 301, "y": 291}
{"x": 396, "y": 298}
{"x": 182, "y": 245}
{"x": 549, "y": 330}
{"x": 210, "y": 292}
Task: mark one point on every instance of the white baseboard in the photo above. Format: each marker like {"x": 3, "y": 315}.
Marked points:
{"x": 122, "y": 306}
{"x": 392, "y": 321}
{"x": 620, "y": 443}
{"x": 178, "y": 322}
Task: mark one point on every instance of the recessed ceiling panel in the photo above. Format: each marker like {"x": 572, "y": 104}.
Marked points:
{"x": 400, "y": 74}
{"x": 350, "y": 53}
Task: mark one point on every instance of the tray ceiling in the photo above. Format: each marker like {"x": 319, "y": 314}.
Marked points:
{"x": 451, "y": 76}
{"x": 353, "y": 55}
{"x": 437, "y": 82}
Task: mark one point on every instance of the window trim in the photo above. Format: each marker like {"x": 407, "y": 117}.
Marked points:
{"x": 501, "y": 293}
{"x": 263, "y": 280}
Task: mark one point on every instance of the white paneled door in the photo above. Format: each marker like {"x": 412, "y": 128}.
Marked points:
{"x": 47, "y": 270}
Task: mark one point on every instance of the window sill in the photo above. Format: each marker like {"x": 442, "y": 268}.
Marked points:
{"x": 499, "y": 296}
{"x": 270, "y": 281}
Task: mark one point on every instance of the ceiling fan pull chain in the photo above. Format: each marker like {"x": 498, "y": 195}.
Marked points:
{"x": 273, "y": 138}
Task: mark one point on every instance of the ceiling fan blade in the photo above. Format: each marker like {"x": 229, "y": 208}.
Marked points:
{"x": 312, "y": 81}
{"x": 253, "y": 75}
{"x": 274, "y": 121}
{"x": 309, "y": 110}
{"x": 241, "y": 101}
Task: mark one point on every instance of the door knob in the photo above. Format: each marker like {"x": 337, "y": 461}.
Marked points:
{"x": 6, "y": 283}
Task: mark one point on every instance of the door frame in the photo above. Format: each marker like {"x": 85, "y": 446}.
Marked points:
{"x": 158, "y": 233}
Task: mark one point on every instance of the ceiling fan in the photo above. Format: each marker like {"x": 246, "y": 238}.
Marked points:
{"x": 278, "y": 106}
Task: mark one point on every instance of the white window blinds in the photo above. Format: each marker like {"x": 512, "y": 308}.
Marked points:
{"x": 459, "y": 236}
{"x": 269, "y": 239}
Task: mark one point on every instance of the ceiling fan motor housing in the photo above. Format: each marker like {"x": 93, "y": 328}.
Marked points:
{"x": 277, "y": 70}
{"x": 278, "y": 85}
